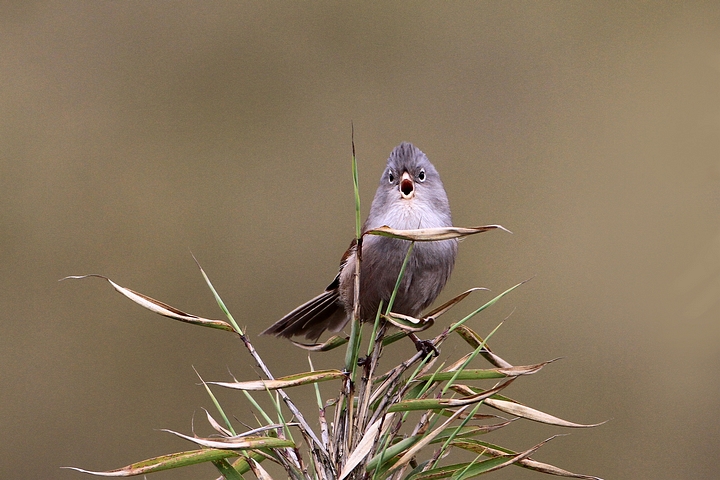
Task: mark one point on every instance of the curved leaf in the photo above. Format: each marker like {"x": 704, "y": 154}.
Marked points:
{"x": 329, "y": 344}
{"x": 488, "y": 449}
{"x": 408, "y": 323}
{"x": 284, "y": 382}
{"x": 164, "y": 462}
{"x": 159, "y": 307}
{"x": 432, "y": 234}
{"x": 486, "y": 373}
{"x": 442, "y": 403}
{"x": 238, "y": 442}
{"x": 523, "y": 411}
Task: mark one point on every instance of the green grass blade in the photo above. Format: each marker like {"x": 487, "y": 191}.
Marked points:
{"x": 356, "y": 189}
{"x": 376, "y": 326}
{"x": 257, "y": 407}
{"x": 400, "y": 276}
{"x": 488, "y": 304}
{"x": 227, "y": 470}
{"x": 216, "y": 403}
{"x": 219, "y": 300}
{"x": 353, "y": 350}
{"x": 318, "y": 397}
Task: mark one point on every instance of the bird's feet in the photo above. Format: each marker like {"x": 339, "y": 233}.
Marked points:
{"x": 426, "y": 347}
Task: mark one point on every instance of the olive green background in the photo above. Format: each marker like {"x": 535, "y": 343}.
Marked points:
{"x": 134, "y": 133}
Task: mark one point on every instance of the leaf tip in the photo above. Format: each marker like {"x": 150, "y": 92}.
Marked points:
{"x": 80, "y": 277}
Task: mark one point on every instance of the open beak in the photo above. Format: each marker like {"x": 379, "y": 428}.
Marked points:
{"x": 407, "y": 187}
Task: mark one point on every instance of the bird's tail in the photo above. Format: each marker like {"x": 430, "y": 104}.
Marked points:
{"x": 324, "y": 312}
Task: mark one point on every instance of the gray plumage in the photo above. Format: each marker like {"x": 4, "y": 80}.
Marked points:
{"x": 410, "y": 195}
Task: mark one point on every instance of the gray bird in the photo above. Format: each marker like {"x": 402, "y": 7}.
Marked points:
{"x": 410, "y": 195}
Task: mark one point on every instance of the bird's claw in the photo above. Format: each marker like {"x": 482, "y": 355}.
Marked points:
{"x": 427, "y": 347}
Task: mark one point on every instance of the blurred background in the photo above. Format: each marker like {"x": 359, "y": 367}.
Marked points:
{"x": 135, "y": 133}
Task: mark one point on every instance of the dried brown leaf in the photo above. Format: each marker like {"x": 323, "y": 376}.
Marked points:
{"x": 285, "y": 382}
{"x": 512, "y": 458}
{"x": 161, "y": 308}
{"x": 432, "y": 234}
{"x": 329, "y": 344}
{"x": 366, "y": 444}
{"x": 258, "y": 470}
{"x": 408, "y": 323}
{"x": 237, "y": 442}
{"x": 523, "y": 411}
{"x": 519, "y": 410}
{"x": 526, "y": 462}
{"x": 412, "y": 451}
{"x": 451, "y": 303}
{"x": 218, "y": 428}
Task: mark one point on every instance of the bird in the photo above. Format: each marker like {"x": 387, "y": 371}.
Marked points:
{"x": 410, "y": 195}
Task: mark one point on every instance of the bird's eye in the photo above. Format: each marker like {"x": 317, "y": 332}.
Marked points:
{"x": 391, "y": 176}
{"x": 421, "y": 175}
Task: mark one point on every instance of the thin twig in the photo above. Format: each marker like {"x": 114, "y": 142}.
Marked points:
{"x": 316, "y": 445}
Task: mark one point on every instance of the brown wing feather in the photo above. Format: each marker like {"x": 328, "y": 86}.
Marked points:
{"x": 311, "y": 318}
